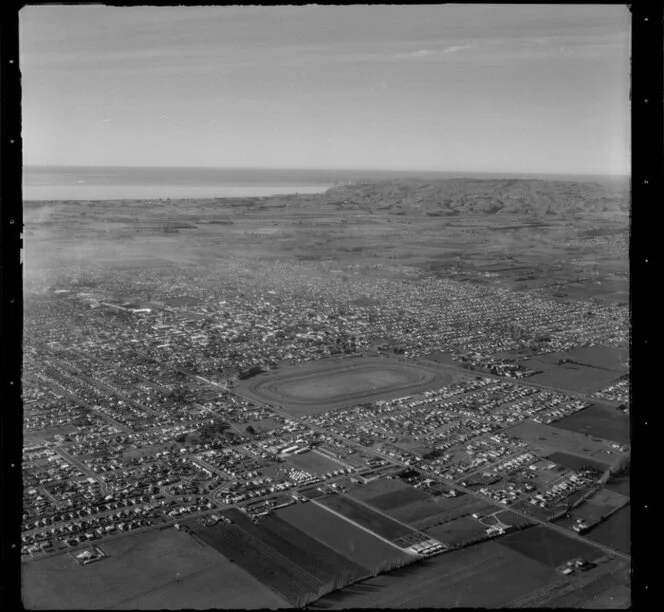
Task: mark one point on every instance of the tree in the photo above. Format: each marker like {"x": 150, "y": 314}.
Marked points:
{"x": 212, "y": 430}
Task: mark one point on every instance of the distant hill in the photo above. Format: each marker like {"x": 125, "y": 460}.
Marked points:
{"x": 494, "y": 196}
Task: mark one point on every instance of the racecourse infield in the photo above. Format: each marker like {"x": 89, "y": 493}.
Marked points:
{"x": 329, "y": 384}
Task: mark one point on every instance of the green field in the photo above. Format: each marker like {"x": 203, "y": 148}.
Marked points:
{"x": 152, "y": 571}
{"x": 484, "y": 575}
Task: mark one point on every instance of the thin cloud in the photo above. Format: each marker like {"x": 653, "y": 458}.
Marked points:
{"x": 414, "y": 54}
{"x": 427, "y": 53}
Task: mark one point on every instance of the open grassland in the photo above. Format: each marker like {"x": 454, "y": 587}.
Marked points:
{"x": 154, "y": 570}
{"x": 477, "y": 576}
{"x": 599, "y": 420}
{"x": 345, "y": 538}
{"x": 365, "y": 516}
{"x": 549, "y": 547}
{"x": 334, "y": 384}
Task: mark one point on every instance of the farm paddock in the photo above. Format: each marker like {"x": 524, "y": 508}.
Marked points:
{"x": 344, "y": 537}
{"x": 366, "y": 517}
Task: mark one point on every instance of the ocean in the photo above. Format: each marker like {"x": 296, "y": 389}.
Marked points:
{"x": 135, "y": 183}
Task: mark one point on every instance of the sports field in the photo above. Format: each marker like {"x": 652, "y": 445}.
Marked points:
{"x": 483, "y": 575}
{"x": 153, "y": 570}
{"x": 329, "y": 384}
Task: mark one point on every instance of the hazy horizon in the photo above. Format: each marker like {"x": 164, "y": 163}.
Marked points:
{"x": 511, "y": 89}
{"x": 328, "y": 169}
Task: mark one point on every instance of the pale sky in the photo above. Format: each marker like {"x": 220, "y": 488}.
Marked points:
{"x": 480, "y": 88}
